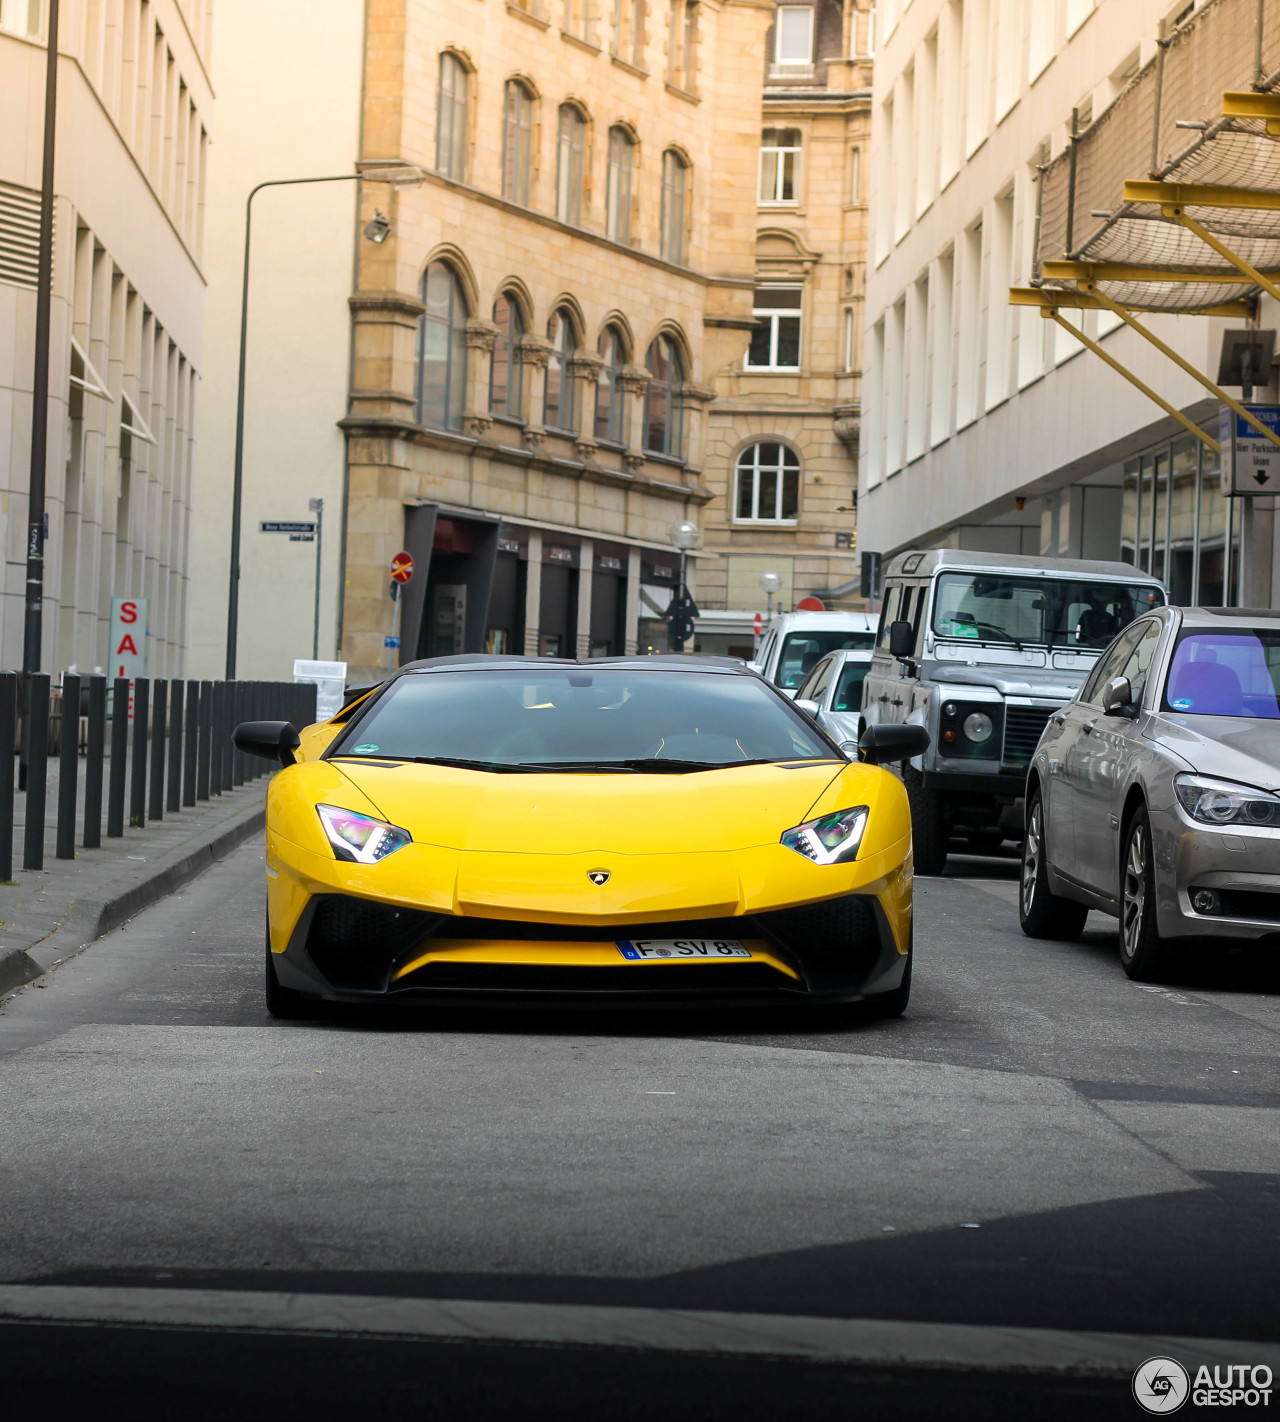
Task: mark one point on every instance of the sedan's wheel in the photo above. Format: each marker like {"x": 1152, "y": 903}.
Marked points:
{"x": 1043, "y": 914}
{"x": 281, "y": 1001}
{"x": 929, "y": 828}
{"x": 1142, "y": 954}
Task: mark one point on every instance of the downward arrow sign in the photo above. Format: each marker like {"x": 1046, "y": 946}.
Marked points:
{"x": 1261, "y": 477}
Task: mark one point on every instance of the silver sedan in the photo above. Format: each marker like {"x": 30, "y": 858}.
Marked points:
{"x": 832, "y": 694}
{"x": 1155, "y": 795}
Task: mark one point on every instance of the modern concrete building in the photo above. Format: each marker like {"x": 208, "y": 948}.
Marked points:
{"x": 1003, "y": 136}
{"x": 134, "y": 118}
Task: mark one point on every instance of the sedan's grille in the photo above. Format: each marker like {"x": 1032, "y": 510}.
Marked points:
{"x": 1023, "y": 726}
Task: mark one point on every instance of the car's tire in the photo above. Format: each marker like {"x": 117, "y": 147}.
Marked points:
{"x": 1143, "y": 955}
{"x": 281, "y": 1002}
{"x": 1043, "y": 914}
{"x": 892, "y": 1004}
{"x": 929, "y": 829}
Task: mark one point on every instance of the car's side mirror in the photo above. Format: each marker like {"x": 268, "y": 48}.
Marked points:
{"x": 269, "y": 740}
{"x": 1117, "y": 696}
{"x": 902, "y": 639}
{"x": 810, "y": 708}
{"x": 880, "y": 744}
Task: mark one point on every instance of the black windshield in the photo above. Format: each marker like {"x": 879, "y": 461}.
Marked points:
{"x": 611, "y": 718}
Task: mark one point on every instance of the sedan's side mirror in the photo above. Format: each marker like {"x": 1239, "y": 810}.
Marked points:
{"x": 1117, "y": 696}
{"x": 810, "y": 708}
{"x": 880, "y": 744}
{"x": 902, "y": 639}
{"x": 269, "y": 740}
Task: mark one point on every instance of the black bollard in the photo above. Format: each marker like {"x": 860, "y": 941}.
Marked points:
{"x": 37, "y": 738}
{"x": 191, "y": 745}
{"x": 173, "y": 795}
{"x": 68, "y": 767}
{"x": 138, "y": 768}
{"x": 8, "y": 749}
{"x": 204, "y": 768}
{"x": 95, "y": 746}
{"x": 119, "y": 756}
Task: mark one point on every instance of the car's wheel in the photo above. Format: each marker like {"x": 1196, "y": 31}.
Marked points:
{"x": 281, "y": 1001}
{"x": 929, "y": 829}
{"x": 1041, "y": 913}
{"x": 892, "y": 1004}
{"x": 1142, "y": 954}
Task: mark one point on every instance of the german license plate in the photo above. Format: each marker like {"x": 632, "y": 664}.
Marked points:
{"x": 638, "y": 950}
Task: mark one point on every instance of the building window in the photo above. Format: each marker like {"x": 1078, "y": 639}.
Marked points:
{"x": 793, "y": 37}
{"x": 768, "y": 484}
{"x": 675, "y": 175}
{"x": 684, "y": 44}
{"x": 628, "y": 31}
{"x": 609, "y": 392}
{"x": 618, "y": 192}
{"x": 848, "y": 338}
{"x": 855, "y": 175}
{"x": 570, "y": 146}
{"x": 451, "y": 118}
{"x": 775, "y": 342}
{"x": 663, "y": 404}
{"x": 517, "y": 142}
{"x": 577, "y": 20}
{"x": 558, "y": 407}
{"x": 442, "y": 350}
{"x": 506, "y": 369}
{"x": 780, "y": 165}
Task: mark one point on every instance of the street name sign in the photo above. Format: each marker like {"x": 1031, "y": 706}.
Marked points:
{"x": 277, "y": 526}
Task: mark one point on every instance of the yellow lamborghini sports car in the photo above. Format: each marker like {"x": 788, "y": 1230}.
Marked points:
{"x": 647, "y": 828}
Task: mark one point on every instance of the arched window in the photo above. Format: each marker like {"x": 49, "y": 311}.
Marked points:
{"x": 663, "y": 405}
{"x": 451, "y": 118}
{"x": 768, "y": 484}
{"x": 571, "y": 144}
{"x": 780, "y": 165}
{"x": 609, "y": 393}
{"x": 558, "y": 408}
{"x": 442, "y": 349}
{"x": 517, "y": 142}
{"x": 618, "y": 193}
{"x": 675, "y": 172}
{"x": 506, "y": 369}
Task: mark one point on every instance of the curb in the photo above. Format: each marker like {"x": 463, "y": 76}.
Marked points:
{"x": 91, "y": 918}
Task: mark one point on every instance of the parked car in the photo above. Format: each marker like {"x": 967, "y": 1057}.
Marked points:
{"x": 982, "y": 649}
{"x": 657, "y": 828}
{"x": 1155, "y": 795}
{"x": 794, "y": 643}
{"x": 832, "y": 695}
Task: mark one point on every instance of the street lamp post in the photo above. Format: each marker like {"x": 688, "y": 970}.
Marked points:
{"x": 377, "y": 231}
{"x": 317, "y": 508}
{"x": 685, "y": 536}
{"x": 769, "y": 584}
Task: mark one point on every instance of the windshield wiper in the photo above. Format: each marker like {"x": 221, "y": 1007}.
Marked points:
{"x": 458, "y": 763}
{"x": 638, "y": 765}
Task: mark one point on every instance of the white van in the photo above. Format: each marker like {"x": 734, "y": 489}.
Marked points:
{"x": 795, "y": 642}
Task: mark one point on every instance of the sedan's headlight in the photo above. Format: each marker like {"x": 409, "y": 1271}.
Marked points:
{"x": 358, "y": 838}
{"x": 1223, "y": 802}
{"x": 834, "y": 839}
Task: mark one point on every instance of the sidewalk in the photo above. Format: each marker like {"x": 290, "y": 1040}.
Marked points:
{"x": 49, "y": 914}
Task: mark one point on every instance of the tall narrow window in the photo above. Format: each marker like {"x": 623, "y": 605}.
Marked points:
{"x": 618, "y": 193}
{"x": 675, "y": 173}
{"x": 451, "y": 118}
{"x": 570, "y": 146}
{"x": 517, "y": 142}
{"x": 793, "y": 37}
{"x": 775, "y": 342}
{"x": 578, "y": 19}
{"x": 506, "y": 371}
{"x": 683, "y": 44}
{"x": 609, "y": 392}
{"x": 768, "y": 484}
{"x": 442, "y": 350}
{"x": 628, "y": 30}
{"x": 558, "y": 408}
{"x": 780, "y": 165}
{"x": 663, "y": 403}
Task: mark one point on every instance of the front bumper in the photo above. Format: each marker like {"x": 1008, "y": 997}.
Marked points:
{"x": 1242, "y": 866}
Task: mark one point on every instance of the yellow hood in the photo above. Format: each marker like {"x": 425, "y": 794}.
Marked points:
{"x": 704, "y": 811}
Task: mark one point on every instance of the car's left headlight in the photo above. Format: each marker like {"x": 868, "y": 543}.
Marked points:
{"x": 833, "y": 839}
{"x": 1223, "y": 802}
{"x": 360, "y": 839}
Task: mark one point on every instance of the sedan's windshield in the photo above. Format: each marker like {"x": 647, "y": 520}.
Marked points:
{"x": 802, "y": 651}
{"x": 848, "y": 695}
{"x": 1053, "y": 612}
{"x": 525, "y": 717}
{"x": 1226, "y": 674}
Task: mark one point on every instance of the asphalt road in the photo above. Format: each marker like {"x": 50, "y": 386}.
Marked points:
{"x": 1039, "y": 1144}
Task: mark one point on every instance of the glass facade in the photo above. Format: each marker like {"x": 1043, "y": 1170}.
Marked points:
{"x": 1177, "y": 525}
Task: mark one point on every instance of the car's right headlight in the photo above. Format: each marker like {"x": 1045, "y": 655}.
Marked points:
{"x": 833, "y": 839}
{"x": 360, "y": 839}
{"x": 1223, "y": 802}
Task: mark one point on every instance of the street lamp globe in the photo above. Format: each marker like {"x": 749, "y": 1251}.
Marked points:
{"x": 770, "y": 583}
{"x": 685, "y": 535}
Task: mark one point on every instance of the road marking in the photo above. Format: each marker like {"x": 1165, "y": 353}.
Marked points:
{"x": 819, "y": 1340}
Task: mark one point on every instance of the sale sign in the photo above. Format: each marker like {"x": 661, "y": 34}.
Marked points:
{"x": 128, "y": 648}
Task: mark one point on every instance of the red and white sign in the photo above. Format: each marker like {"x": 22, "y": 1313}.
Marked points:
{"x": 758, "y": 624}
{"x": 811, "y": 604}
{"x": 402, "y": 567}
{"x": 128, "y": 637}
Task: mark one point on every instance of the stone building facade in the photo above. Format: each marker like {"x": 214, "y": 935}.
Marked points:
{"x": 134, "y": 119}
{"x": 548, "y": 316}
